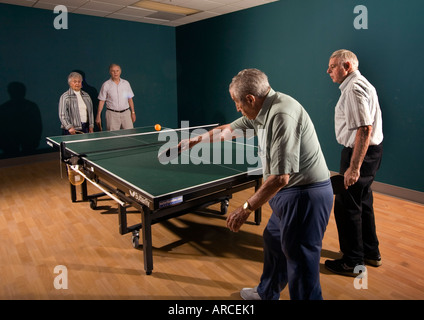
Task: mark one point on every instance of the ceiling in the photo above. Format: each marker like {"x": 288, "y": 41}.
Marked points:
{"x": 126, "y": 9}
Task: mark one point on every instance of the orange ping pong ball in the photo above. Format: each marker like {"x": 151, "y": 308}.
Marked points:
{"x": 158, "y": 127}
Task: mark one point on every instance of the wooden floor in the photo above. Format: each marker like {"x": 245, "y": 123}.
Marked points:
{"x": 195, "y": 256}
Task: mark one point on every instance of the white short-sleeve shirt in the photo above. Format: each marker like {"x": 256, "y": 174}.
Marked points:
{"x": 357, "y": 106}
{"x": 116, "y": 95}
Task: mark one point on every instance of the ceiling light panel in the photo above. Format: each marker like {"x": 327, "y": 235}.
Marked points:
{"x": 165, "y": 7}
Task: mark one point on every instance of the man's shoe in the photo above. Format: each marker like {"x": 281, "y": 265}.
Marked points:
{"x": 341, "y": 267}
{"x": 373, "y": 262}
{"x": 250, "y": 293}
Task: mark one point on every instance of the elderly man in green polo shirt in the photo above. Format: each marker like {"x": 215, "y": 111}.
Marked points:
{"x": 296, "y": 184}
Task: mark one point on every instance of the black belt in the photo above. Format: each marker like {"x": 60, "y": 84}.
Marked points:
{"x": 119, "y": 111}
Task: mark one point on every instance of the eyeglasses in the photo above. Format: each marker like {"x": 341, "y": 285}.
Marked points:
{"x": 332, "y": 66}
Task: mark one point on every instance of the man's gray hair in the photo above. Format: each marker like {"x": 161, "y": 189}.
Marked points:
{"x": 74, "y": 75}
{"x": 114, "y": 65}
{"x": 344, "y": 56}
{"x": 249, "y": 81}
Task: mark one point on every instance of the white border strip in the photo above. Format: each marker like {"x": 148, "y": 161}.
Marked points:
{"x": 136, "y": 134}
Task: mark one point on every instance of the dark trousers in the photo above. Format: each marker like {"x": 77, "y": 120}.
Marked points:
{"x": 293, "y": 241}
{"x": 354, "y": 211}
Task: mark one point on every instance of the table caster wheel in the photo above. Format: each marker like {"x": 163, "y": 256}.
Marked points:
{"x": 224, "y": 206}
{"x": 93, "y": 203}
{"x": 135, "y": 239}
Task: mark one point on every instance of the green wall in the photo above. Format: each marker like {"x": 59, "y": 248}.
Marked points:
{"x": 38, "y": 58}
{"x": 183, "y": 73}
{"x": 291, "y": 41}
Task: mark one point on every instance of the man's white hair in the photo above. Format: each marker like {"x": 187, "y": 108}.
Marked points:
{"x": 344, "y": 56}
{"x": 249, "y": 81}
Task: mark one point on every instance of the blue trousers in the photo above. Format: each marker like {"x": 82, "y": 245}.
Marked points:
{"x": 293, "y": 242}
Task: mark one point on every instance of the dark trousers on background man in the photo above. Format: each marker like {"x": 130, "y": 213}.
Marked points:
{"x": 354, "y": 211}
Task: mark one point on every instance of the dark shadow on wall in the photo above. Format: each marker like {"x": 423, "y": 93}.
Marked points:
{"x": 20, "y": 123}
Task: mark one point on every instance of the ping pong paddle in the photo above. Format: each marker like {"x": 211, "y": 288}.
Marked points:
{"x": 337, "y": 182}
{"x": 169, "y": 154}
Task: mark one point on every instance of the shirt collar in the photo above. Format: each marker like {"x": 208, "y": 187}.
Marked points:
{"x": 353, "y": 75}
{"x": 260, "y": 118}
{"x": 120, "y": 80}
{"x": 72, "y": 92}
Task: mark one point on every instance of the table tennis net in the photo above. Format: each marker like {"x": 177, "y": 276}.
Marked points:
{"x": 126, "y": 142}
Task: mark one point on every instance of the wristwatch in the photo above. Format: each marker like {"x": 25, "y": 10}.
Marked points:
{"x": 246, "y": 207}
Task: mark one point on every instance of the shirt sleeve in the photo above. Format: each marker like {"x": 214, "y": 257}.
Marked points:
{"x": 103, "y": 93}
{"x": 128, "y": 92}
{"x": 358, "y": 112}
{"x": 284, "y": 148}
{"x": 241, "y": 123}
{"x": 63, "y": 112}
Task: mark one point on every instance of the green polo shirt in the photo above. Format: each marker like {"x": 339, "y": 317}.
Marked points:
{"x": 287, "y": 140}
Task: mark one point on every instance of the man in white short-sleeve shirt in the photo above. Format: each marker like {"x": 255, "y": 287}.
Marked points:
{"x": 358, "y": 127}
{"x": 118, "y": 96}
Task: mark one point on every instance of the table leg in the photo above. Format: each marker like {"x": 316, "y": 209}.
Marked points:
{"x": 147, "y": 240}
{"x": 84, "y": 192}
{"x": 258, "y": 216}
{"x": 73, "y": 192}
{"x": 122, "y": 219}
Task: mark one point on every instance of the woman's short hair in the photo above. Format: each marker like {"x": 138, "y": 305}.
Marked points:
{"x": 74, "y": 75}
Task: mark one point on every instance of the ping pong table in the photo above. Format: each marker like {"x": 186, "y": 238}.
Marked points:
{"x": 124, "y": 165}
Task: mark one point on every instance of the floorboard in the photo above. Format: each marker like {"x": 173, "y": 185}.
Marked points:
{"x": 195, "y": 256}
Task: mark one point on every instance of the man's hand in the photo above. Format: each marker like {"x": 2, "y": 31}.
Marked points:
{"x": 362, "y": 141}
{"x": 98, "y": 121}
{"x": 267, "y": 190}
{"x": 351, "y": 176}
{"x": 188, "y": 143}
{"x": 236, "y": 219}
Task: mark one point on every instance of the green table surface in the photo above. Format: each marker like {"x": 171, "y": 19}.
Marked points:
{"x": 134, "y": 159}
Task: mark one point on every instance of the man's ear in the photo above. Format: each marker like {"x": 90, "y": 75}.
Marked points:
{"x": 347, "y": 66}
{"x": 250, "y": 98}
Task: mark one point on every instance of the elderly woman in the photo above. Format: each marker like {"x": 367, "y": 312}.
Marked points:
{"x": 76, "y": 108}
